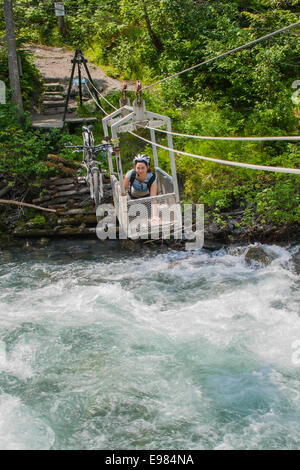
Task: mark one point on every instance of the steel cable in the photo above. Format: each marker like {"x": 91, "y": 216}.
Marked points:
{"x": 255, "y": 139}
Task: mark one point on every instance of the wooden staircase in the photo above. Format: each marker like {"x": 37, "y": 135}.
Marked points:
{"x": 51, "y": 111}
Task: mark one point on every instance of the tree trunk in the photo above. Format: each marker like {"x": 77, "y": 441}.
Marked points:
{"x": 62, "y": 28}
{"x": 154, "y": 38}
{"x": 17, "y": 203}
{"x": 12, "y": 57}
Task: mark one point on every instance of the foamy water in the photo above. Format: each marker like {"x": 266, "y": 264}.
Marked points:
{"x": 106, "y": 349}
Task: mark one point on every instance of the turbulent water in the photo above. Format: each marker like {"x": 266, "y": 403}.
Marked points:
{"x": 102, "y": 348}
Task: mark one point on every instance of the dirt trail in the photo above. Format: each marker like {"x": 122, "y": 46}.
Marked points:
{"x": 55, "y": 64}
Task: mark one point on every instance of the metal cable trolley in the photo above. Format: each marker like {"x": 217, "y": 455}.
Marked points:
{"x": 153, "y": 215}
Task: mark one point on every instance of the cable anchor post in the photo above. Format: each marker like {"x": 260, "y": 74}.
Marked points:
{"x": 138, "y": 91}
{"x": 124, "y": 99}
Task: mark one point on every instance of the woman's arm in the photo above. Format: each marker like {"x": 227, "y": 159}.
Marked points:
{"x": 153, "y": 189}
{"x": 126, "y": 183}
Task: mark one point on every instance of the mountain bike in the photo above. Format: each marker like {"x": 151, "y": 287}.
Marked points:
{"x": 94, "y": 176}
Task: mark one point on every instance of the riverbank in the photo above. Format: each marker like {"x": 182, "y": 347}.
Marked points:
{"x": 33, "y": 229}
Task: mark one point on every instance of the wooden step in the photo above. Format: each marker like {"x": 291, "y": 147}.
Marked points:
{"x": 48, "y": 122}
{"x": 55, "y": 121}
{"x": 62, "y": 93}
{"x": 53, "y": 97}
{"x": 53, "y": 83}
{"x": 53, "y": 104}
{"x": 57, "y": 110}
{"x": 54, "y": 87}
{"x": 53, "y": 111}
{"x": 54, "y": 80}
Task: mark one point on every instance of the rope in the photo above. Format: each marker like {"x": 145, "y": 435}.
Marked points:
{"x": 250, "y": 166}
{"x": 224, "y": 54}
{"x": 94, "y": 99}
{"x": 289, "y": 138}
{"x": 100, "y": 94}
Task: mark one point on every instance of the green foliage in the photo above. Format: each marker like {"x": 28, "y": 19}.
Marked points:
{"x": 39, "y": 221}
{"x": 23, "y": 150}
{"x": 247, "y": 93}
{"x": 223, "y": 188}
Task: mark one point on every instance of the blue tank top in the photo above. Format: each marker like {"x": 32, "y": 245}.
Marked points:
{"x": 139, "y": 188}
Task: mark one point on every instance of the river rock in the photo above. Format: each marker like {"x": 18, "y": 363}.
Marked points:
{"x": 256, "y": 256}
{"x": 130, "y": 245}
{"x": 44, "y": 241}
{"x": 27, "y": 245}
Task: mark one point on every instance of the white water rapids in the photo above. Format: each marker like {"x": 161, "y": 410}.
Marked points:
{"x": 102, "y": 348}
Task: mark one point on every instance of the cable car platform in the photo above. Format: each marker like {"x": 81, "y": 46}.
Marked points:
{"x": 152, "y": 215}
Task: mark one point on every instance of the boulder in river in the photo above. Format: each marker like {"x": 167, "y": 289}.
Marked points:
{"x": 257, "y": 256}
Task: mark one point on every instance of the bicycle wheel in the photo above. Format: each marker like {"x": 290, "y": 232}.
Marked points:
{"x": 85, "y": 152}
{"x": 88, "y": 140}
{"x": 96, "y": 188}
{"x": 101, "y": 190}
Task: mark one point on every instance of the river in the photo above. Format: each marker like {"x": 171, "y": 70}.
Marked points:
{"x": 105, "y": 348}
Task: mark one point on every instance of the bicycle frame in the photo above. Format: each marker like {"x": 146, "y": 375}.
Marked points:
{"x": 93, "y": 167}
{"x": 94, "y": 175}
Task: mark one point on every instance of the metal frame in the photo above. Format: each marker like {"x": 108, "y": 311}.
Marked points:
{"x": 127, "y": 119}
{"x": 136, "y": 117}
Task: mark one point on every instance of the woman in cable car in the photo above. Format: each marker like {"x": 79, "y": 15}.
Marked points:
{"x": 141, "y": 182}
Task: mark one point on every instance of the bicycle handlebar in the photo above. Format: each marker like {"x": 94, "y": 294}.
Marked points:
{"x": 90, "y": 147}
{"x": 95, "y": 149}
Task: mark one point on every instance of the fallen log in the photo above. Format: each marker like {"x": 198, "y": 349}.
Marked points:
{"x": 61, "y": 181}
{"x": 60, "y": 168}
{"x": 73, "y": 200}
{"x": 71, "y": 193}
{"x": 61, "y": 232}
{"x": 42, "y": 199}
{"x": 74, "y": 212}
{"x": 66, "y": 187}
{"x": 54, "y": 195}
{"x": 68, "y": 163}
{"x": 32, "y": 206}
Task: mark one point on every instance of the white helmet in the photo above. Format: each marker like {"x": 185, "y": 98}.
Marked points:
{"x": 142, "y": 158}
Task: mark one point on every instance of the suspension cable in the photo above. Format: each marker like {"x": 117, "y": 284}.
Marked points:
{"x": 288, "y": 138}
{"x": 224, "y": 54}
{"x": 249, "y": 166}
{"x": 104, "y": 112}
{"x": 100, "y": 94}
